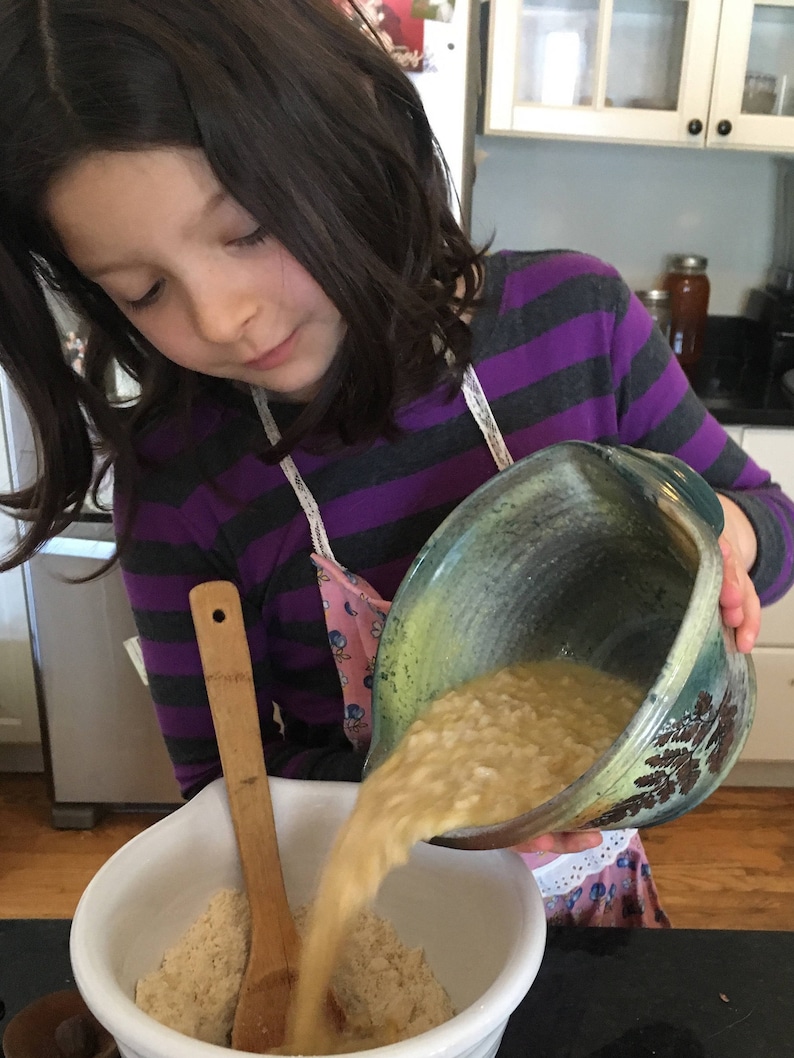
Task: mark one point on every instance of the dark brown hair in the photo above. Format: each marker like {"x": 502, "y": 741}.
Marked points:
{"x": 309, "y": 124}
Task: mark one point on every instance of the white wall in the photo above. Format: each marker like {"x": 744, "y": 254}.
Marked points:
{"x": 632, "y": 206}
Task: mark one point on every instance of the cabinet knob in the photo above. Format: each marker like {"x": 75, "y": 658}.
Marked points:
{"x": 695, "y": 127}
{"x": 725, "y": 128}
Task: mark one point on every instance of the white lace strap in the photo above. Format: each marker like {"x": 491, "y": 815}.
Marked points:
{"x": 320, "y": 540}
{"x": 478, "y": 405}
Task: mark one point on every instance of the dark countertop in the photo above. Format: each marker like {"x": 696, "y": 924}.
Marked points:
{"x": 733, "y": 378}
{"x": 737, "y": 413}
{"x": 600, "y": 993}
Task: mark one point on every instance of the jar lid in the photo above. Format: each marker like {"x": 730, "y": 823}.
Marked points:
{"x": 690, "y": 262}
{"x": 653, "y": 297}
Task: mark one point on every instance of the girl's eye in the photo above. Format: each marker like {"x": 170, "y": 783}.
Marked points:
{"x": 257, "y": 236}
{"x": 148, "y": 298}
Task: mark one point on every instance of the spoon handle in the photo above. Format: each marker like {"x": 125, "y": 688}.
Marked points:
{"x": 225, "y": 658}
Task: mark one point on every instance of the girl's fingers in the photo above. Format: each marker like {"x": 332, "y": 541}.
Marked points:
{"x": 741, "y": 608}
{"x": 565, "y": 841}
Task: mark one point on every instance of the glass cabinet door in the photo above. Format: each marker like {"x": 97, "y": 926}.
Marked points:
{"x": 753, "y": 102}
{"x": 646, "y": 53}
{"x": 615, "y": 69}
{"x": 557, "y": 52}
{"x": 769, "y": 77}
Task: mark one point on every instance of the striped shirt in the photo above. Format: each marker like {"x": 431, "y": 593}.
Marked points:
{"x": 563, "y": 351}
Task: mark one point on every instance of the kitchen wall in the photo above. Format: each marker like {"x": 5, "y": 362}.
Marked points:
{"x": 632, "y": 206}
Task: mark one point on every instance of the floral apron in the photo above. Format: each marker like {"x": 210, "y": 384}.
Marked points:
{"x": 610, "y": 885}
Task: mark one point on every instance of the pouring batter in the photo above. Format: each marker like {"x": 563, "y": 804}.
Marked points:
{"x": 248, "y": 193}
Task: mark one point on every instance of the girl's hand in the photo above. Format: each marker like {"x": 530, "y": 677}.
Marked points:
{"x": 565, "y": 841}
{"x": 741, "y": 608}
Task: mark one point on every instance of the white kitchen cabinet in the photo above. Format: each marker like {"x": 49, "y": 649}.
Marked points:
{"x": 771, "y": 740}
{"x": 773, "y": 449}
{"x": 714, "y": 73}
{"x": 772, "y": 734}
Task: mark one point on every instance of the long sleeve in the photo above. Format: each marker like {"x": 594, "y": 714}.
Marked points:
{"x": 658, "y": 410}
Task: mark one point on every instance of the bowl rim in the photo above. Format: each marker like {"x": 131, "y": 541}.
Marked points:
{"x": 145, "y": 1036}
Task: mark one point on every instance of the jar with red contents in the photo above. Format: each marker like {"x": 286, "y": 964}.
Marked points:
{"x": 689, "y": 288}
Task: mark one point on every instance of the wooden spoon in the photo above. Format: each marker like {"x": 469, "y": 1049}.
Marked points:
{"x": 271, "y": 971}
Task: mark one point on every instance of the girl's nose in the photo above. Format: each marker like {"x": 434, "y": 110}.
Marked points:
{"x": 222, "y": 313}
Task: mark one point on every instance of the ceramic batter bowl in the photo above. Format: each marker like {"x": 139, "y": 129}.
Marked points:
{"x": 603, "y": 555}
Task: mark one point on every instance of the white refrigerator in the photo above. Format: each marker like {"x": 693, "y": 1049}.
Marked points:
{"x": 450, "y": 86}
{"x": 68, "y": 690}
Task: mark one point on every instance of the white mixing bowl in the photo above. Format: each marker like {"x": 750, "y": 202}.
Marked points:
{"x": 478, "y": 916}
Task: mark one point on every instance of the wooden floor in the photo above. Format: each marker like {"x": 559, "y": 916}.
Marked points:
{"x": 728, "y": 864}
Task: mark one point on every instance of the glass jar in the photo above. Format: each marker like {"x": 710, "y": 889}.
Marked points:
{"x": 657, "y": 302}
{"x": 689, "y": 289}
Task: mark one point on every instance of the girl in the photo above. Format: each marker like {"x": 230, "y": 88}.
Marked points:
{"x": 245, "y": 200}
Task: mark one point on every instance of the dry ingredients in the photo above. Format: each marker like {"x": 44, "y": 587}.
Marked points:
{"x": 386, "y": 989}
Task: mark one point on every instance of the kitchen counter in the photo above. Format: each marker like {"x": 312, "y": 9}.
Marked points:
{"x": 731, "y": 379}
{"x": 744, "y": 413}
{"x": 600, "y": 993}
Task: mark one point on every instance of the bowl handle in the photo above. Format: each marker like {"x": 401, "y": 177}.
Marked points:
{"x": 655, "y": 471}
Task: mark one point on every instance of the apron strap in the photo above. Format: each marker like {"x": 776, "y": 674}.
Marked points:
{"x": 320, "y": 540}
{"x": 478, "y": 405}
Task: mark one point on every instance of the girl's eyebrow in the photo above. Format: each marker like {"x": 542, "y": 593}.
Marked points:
{"x": 213, "y": 202}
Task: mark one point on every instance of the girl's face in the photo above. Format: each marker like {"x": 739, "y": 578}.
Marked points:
{"x": 193, "y": 271}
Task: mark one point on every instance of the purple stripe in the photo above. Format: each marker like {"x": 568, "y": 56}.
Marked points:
{"x": 264, "y": 554}
{"x": 384, "y": 579}
{"x": 631, "y": 334}
{"x": 704, "y": 447}
{"x": 155, "y": 522}
{"x": 783, "y": 509}
{"x": 182, "y": 722}
{"x": 298, "y": 600}
{"x": 653, "y": 407}
{"x": 588, "y": 421}
{"x": 378, "y": 505}
{"x": 309, "y": 707}
{"x": 171, "y": 659}
{"x": 546, "y": 274}
{"x": 752, "y": 476}
{"x": 298, "y": 657}
{"x": 185, "y": 722}
{"x": 373, "y": 507}
{"x": 168, "y": 439}
{"x": 142, "y": 588}
{"x": 573, "y": 342}
{"x": 430, "y": 411}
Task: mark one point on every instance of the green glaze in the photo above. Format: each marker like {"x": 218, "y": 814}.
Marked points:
{"x": 600, "y": 554}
